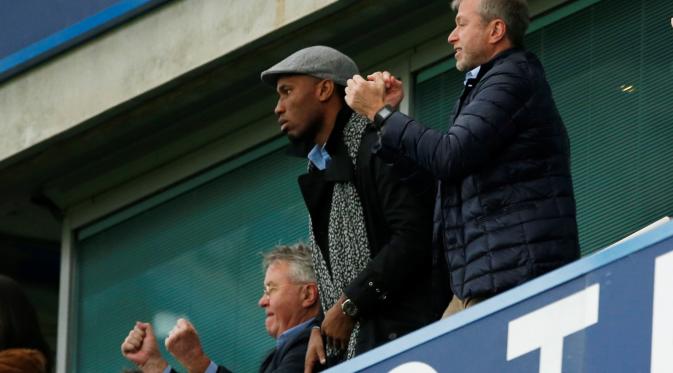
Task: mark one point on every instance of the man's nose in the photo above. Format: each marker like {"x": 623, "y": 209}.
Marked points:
{"x": 279, "y": 109}
{"x": 453, "y": 36}
{"x": 263, "y": 301}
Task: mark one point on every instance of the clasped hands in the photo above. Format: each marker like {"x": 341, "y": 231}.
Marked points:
{"x": 367, "y": 97}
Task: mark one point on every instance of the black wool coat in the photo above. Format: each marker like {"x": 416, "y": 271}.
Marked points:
{"x": 394, "y": 292}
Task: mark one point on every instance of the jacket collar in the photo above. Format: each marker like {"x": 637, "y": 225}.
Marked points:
{"x": 292, "y": 333}
{"x": 483, "y": 70}
{"x": 498, "y": 57}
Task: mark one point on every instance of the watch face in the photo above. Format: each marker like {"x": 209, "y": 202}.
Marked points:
{"x": 349, "y": 308}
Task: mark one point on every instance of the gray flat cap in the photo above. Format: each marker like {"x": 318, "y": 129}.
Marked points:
{"x": 319, "y": 61}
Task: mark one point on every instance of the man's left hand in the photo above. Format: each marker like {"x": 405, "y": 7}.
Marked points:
{"x": 337, "y": 327}
{"x": 184, "y": 344}
{"x": 366, "y": 97}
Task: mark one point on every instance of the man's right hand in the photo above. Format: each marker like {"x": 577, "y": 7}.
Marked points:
{"x": 140, "y": 347}
{"x": 184, "y": 344}
{"x": 315, "y": 351}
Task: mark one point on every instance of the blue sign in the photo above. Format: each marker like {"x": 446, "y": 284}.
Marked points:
{"x": 33, "y": 30}
{"x": 609, "y": 312}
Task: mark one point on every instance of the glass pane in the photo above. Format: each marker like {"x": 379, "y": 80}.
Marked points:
{"x": 195, "y": 256}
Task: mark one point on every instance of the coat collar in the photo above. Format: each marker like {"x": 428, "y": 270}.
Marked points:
{"x": 340, "y": 168}
{"x": 498, "y": 57}
{"x": 471, "y": 83}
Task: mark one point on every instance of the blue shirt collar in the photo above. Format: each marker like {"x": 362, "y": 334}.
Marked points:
{"x": 472, "y": 74}
{"x": 319, "y": 157}
{"x": 291, "y": 333}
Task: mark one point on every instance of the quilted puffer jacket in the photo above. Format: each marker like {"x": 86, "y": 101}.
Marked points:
{"x": 505, "y": 210}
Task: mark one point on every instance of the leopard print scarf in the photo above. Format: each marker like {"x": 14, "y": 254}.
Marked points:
{"x": 348, "y": 245}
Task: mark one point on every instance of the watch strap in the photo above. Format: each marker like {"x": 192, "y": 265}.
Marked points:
{"x": 382, "y": 115}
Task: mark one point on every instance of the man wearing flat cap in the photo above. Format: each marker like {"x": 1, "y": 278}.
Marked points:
{"x": 370, "y": 229}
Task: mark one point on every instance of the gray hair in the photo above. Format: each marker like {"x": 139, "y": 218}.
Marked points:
{"x": 513, "y": 12}
{"x": 298, "y": 256}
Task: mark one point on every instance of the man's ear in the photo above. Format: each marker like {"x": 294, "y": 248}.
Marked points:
{"x": 310, "y": 295}
{"x": 498, "y": 31}
{"x": 325, "y": 90}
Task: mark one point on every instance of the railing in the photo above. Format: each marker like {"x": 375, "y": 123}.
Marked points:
{"x": 608, "y": 312}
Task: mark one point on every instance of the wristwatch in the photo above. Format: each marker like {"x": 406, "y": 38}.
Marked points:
{"x": 349, "y": 308}
{"x": 382, "y": 115}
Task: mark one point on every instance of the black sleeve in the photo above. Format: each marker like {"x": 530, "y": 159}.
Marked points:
{"x": 405, "y": 201}
{"x": 484, "y": 126}
{"x": 317, "y": 321}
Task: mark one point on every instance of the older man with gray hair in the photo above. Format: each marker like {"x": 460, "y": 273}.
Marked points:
{"x": 505, "y": 209}
{"x": 290, "y": 301}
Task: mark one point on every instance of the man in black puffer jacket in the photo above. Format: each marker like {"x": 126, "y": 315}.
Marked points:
{"x": 505, "y": 210}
